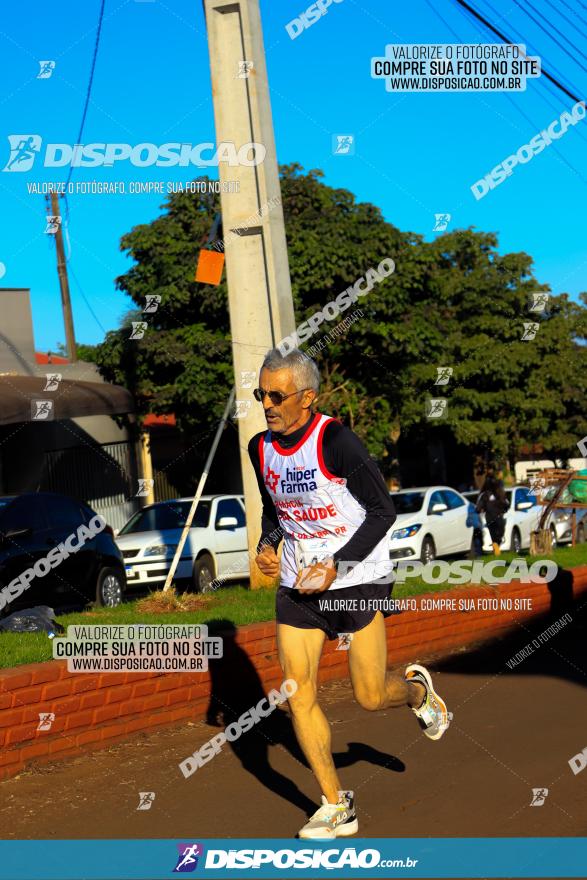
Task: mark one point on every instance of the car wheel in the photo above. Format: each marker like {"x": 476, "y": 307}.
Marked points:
{"x": 580, "y": 538}
{"x": 516, "y": 542}
{"x": 553, "y": 536}
{"x": 110, "y": 588}
{"x": 428, "y": 551}
{"x": 204, "y": 574}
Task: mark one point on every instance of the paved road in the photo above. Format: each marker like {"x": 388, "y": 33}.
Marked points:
{"x": 513, "y": 730}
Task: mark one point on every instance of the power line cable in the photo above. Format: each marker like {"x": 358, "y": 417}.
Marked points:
{"x": 543, "y": 29}
{"x": 534, "y": 50}
{"x": 546, "y": 85}
{"x": 90, "y": 309}
{"x": 566, "y": 18}
{"x": 505, "y": 39}
{"x": 533, "y": 124}
{"x": 527, "y": 118}
{"x": 88, "y": 90}
{"x": 78, "y": 141}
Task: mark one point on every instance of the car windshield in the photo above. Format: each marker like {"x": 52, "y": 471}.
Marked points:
{"x": 408, "y": 502}
{"x": 167, "y": 515}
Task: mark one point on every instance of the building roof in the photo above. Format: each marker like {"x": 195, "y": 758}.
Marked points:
{"x": 20, "y": 397}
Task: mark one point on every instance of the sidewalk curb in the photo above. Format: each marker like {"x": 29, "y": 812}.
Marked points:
{"x": 93, "y": 711}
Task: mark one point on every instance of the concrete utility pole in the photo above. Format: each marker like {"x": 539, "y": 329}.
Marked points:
{"x": 63, "y": 282}
{"x": 259, "y": 287}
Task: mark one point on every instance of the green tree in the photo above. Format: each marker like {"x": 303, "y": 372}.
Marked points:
{"x": 452, "y": 302}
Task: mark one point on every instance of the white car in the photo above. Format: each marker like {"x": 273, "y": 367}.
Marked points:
{"x": 433, "y": 521}
{"x": 521, "y": 519}
{"x": 216, "y": 546}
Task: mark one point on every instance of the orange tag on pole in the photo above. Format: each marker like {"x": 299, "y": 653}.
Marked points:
{"x": 210, "y": 265}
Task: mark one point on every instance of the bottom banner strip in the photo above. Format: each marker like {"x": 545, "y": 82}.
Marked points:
{"x": 271, "y": 858}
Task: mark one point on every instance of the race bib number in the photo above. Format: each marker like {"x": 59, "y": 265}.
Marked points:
{"x": 309, "y": 551}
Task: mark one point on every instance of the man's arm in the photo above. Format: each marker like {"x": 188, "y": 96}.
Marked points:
{"x": 345, "y": 456}
{"x": 271, "y": 531}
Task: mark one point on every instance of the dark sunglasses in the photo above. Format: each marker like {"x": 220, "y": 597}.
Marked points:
{"x": 276, "y": 397}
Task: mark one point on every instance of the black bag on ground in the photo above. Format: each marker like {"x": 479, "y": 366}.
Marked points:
{"x": 38, "y": 619}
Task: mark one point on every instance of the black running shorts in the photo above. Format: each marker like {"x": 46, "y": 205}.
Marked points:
{"x": 346, "y": 610}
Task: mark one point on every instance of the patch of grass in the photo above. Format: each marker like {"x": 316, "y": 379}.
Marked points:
{"x": 236, "y": 604}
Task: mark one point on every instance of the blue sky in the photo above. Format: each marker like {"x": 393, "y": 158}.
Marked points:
{"x": 416, "y": 154}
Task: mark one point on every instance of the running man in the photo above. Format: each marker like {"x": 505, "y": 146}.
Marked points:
{"x": 24, "y": 151}
{"x": 324, "y": 496}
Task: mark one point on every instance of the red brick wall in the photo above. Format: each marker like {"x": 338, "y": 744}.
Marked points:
{"x": 95, "y": 710}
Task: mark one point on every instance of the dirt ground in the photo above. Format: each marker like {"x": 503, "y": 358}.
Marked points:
{"x": 513, "y": 731}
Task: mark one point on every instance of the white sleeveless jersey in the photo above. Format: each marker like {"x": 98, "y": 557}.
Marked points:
{"x": 314, "y": 504}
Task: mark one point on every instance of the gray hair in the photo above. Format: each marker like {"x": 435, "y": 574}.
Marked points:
{"x": 305, "y": 370}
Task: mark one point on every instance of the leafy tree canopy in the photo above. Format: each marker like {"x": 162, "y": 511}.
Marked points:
{"x": 452, "y": 302}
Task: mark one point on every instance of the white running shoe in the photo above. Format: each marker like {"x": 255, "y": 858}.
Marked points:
{"x": 332, "y": 820}
{"x": 432, "y": 714}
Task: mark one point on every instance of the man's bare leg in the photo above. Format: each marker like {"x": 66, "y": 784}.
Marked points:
{"x": 373, "y": 686}
{"x": 299, "y": 655}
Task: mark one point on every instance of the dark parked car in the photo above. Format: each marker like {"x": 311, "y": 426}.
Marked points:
{"x": 42, "y": 529}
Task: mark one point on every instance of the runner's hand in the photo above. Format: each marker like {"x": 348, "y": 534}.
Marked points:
{"x": 316, "y": 578}
{"x": 267, "y": 562}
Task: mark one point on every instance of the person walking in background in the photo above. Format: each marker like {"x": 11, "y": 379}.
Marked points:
{"x": 493, "y": 503}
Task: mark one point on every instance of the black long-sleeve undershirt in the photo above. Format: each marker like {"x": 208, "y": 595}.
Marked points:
{"x": 344, "y": 456}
